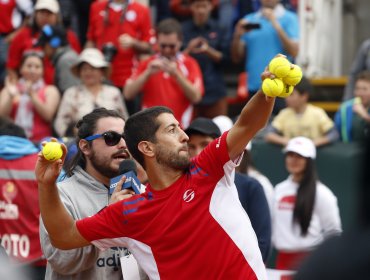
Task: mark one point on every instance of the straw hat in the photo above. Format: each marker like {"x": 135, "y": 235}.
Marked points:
{"x": 91, "y": 56}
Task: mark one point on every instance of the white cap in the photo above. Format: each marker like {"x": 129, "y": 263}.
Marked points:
{"x": 50, "y": 5}
{"x": 224, "y": 123}
{"x": 92, "y": 56}
{"x": 302, "y": 146}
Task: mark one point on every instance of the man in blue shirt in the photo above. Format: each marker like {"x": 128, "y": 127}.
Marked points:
{"x": 277, "y": 31}
{"x": 207, "y": 42}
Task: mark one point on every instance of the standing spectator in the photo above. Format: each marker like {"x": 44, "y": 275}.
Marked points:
{"x": 19, "y": 219}
{"x": 11, "y": 13}
{"x": 353, "y": 117}
{"x": 301, "y": 119}
{"x": 305, "y": 210}
{"x": 86, "y": 192}
{"x": 277, "y": 33}
{"x": 80, "y": 100}
{"x": 46, "y": 12}
{"x": 169, "y": 78}
{"x": 181, "y": 8}
{"x": 360, "y": 63}
{"x": 53, "y": 40}
{"x": 28, "y": 100}
{"x": 205, "y": 40}
{"x": 201, "y": 133}
{"x": 122, "y": 30}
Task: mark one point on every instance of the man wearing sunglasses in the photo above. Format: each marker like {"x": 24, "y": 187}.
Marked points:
{"x": 100, "y": 150}
{"x": 168, "y": 78}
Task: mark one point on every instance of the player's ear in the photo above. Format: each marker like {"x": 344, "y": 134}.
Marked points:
{"x": 146, "y": 148}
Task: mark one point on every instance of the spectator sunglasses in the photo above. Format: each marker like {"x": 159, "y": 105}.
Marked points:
{"x": 111, "y": 138}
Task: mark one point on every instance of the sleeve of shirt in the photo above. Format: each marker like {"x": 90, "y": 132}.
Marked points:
{"x": 103, "y": 226}
{"x": 195, "y": 74}
{"x": 328, "y": 212}
{"x": 325, "y": 122}
{"x": 213, "y": 158}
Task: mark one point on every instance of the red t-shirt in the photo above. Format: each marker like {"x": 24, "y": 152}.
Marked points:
{"x": 25, "y": 40}
{"x": 6, "y": 12}
{"x": 106, "y": 25}
{"x": 194, "y": 229}
{"x": 163, "y": 90}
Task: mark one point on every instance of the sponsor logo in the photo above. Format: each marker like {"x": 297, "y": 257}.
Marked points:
{"x": 188, "y": 195}
{"x": 8, "y": 210}
{"x": 287, "y": 202}
{"x": 16, "y": 245}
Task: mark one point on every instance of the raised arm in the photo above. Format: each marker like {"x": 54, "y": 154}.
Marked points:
{"x": 61, "y": 227}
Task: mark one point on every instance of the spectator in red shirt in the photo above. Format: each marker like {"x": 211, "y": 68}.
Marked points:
{"x": 169, "y": 78}
{"x": 122, "y": 30}
{"x": 46, "y": 12}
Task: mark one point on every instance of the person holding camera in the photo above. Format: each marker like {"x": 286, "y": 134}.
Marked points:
{"x": 169, "y": 78}
{"x": 122, "y": 30}
{"x": 259, "y": 36}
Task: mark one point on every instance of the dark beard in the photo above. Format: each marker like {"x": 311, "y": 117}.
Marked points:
{"x": 103, "y": 167}
{"x": 172, "y": 160}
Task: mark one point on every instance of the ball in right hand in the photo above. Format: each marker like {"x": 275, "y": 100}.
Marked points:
{"x": 52, "y": 151}
{"x": 272, "y": 87}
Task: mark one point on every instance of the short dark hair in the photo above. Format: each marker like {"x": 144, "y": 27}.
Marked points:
{"x": 304, "y": 86}
{"x": 142, "y": 126}
{"x": 8, "y": 127}
{"x": 87, "y": 127}
{"x": 364, "y": 75}
{"x": 169, "y": 26}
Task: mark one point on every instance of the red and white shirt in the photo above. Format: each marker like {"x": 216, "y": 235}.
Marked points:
{"x": 163, "y": 90}
{"x": 194, "y": 229}
{"x": 106, "y": 24}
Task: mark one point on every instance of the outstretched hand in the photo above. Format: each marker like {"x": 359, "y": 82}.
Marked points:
{"x": 46, "y": 171}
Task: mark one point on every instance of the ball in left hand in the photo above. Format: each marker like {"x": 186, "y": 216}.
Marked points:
{"x": 52, "y": 151}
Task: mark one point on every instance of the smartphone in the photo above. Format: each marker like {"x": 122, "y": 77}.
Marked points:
{"x": 250, "y": 25}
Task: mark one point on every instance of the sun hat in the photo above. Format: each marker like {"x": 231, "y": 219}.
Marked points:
{"x": 92, "y": 56}
{"x": 50, "y": 5}
{"x": 302, "y": 146}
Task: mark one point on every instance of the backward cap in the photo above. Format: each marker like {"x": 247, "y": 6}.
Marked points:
{"x": 302, "y": 146}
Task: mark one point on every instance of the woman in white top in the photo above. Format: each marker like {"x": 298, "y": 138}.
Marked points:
{"x": 305, "y": 211}
{"x": 80, "y": 100}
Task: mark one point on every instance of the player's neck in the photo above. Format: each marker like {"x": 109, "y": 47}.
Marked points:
{"x": 161, "y": 178}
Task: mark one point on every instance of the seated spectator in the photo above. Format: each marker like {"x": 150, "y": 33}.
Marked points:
{"x": 203, "y": 131}
{"x": 28, "y": 100}
{"x": 353, "y": 117}
{"x": 80, "y": 100}
{"x": 46, "y": 12}
{"x": 301, "y": 119}
{"x": 305, "y": 211}
{"x": 19, "y": 219}
{"x": 169, "y": 78}
{"x": 53, "y": 40}
{"x": 360, "y": 63}
{"x": 205, "y": 40}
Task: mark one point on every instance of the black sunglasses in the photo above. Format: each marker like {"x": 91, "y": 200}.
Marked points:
{"x": 111, "y": 138}
{"x": 171, "y": 46}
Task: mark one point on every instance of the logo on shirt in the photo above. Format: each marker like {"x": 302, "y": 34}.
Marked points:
{"x": 287, "y": 202}
{"x": 8, "y": 210}
{"x": 188, "y": 195}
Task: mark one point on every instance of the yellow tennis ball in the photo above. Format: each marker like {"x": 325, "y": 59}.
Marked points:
{"x": 52, "y": 151}
{"x": 286, "y": 91}
{"x": 294, "y": 76}
{"x": 279, "y": 66}
{"x": 272, "y": 87}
